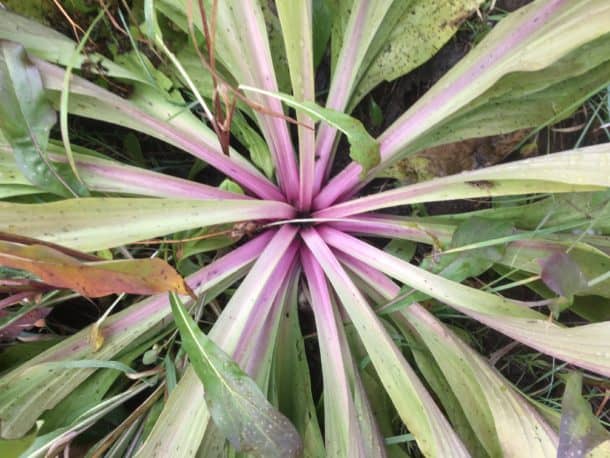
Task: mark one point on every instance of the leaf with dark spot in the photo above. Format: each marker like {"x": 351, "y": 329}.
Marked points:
{"x": 237, "y": 405}
{"x": 580, "y": 431}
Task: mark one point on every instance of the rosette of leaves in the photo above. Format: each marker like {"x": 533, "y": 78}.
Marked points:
{"x": 394, "y": 374}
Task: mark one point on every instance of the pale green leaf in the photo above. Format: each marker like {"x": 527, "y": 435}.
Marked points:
{"x": 174, "y": 431}
{"x": 49, "y": 44}
{"x": 413, "y": 403}
{"x": 446, "y": 392}
{"x": 584, "y": 346}
{"x": 527, "y": 99}
{"x": 500, "y": 417}
{"x": 15, "y": 447}
{"x": 577, "y": 170}
{"x": 21, "y": 403}
{"x": 90, "y": 224}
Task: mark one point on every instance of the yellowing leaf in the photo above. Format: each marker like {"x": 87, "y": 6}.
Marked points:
{"x": 95, "y": 278}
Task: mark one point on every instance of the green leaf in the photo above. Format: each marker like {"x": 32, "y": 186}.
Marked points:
{"x": 14, "y": 355}
{"x": 230, "y": 185}
{"x": 131, "y": 146}
{"x": 26, "y": 119}
{"x": 253, "y": 142}
{"x": 292, "y": 382}
{"x": 364, "y": 149}
{"x": 403, "y": 249}
{"x": 86, "y": 395}
{"x": 322, "y": 23}
{"x": 202, "y": 246}
{"x": 375, "y": 113}
{"x": 237, "y": 406}
{"x": 475, "y": 261}
{"x": 477, "y": 230}
{"x": 580, "y": 432}
{"x": 276, "y": 44}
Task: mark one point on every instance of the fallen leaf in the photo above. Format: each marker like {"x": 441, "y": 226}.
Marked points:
{"x": 95, "y": 278}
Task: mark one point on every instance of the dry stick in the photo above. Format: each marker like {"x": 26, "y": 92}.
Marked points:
{"x": 72, "y": 23}
{"x": 222, "y": 118}
{"x": 137, "y": 413}
{"x": 237, "y": 231}
{"x": 600, "y": 409}
{"x": 220, "y": 82}
{"x": 190, "y": 239}
{"x": 111, "y": 18}
{"x": 213, "y": 119}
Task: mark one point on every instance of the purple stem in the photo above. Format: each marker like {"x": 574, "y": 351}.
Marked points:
{"x": 260, "y": 346}
{"x": 340, "y": 90}
{"x": 260, "y": 313}
{"x": 245, "y": 300}
{"x": 334, "y": 372}
{"x": 388, "y": 226}
{"x": 134, "y": 180}
{"x": 164, "y": 130}
{"x": 406, "y": 128}
{"x": 275, "y": 127}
